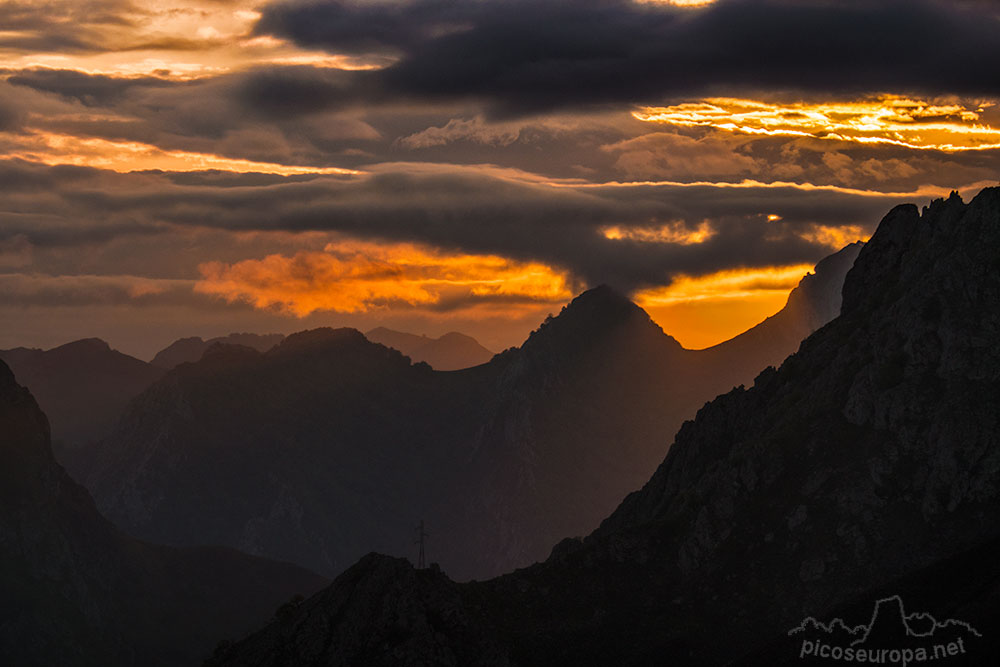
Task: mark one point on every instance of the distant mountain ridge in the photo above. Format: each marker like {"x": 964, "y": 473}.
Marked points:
{"x": 82, "y": 386}
{"x": 189, "y": 350}
{"x": 867, "y": 465}
{"x": 77, "y": 591}
{"x": 451, "y": 352}
{"x": 343, "y": 445}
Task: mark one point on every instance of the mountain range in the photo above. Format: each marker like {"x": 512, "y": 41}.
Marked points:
{"x": 328, "y": 445}
{"x": 451, "y": 352}
{"x": 189, "y": 350}
{"x": 75, "y": 590}
{"x": 870, "y": 459}
{"x": 82, "y": 386}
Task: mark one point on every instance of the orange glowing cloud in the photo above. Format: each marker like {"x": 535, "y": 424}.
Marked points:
{"x": 678, "y": 3}
{"x": 179, "y": 39}
{"x": 835, "y": 238}
{"x": 126, "y": 156}
{"x": 674, "y": 232}
{"x": 701, "y": 311}
{"x": 888, "y": 120}
{"x": 357, "y": 276}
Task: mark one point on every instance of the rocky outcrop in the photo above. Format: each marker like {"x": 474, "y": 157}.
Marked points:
{"x": 870, "y": 458}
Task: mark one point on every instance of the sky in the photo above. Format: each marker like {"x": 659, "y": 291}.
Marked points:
{"x": 172, "y": 168}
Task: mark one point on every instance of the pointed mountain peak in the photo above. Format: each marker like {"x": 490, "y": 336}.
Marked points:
{"x": 592, "y": 315}
{"x": 599, "y": 307}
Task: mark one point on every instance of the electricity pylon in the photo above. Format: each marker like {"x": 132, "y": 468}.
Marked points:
{"x": 421, "y": 559}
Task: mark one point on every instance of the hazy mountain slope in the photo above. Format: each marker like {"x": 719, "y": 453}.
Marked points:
{"x": 329, "y": 445}
{"x": 813, "y": 303}
{"x": 870, "y": 456}
{"x": 82, "y": 386}
{"x": 187, "y": 350}
{"x": 450, "y": 352}
{"x": 76, "y": 591}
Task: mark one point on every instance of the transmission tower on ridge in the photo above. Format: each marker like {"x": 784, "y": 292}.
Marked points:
{"x": 421, "y": 559}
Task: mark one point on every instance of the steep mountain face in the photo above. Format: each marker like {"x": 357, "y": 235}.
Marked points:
{"x": 870, "y": 460}
{"x": 76, "y": 591}
{"x": 329, "y": 446}
{"x": 81, "y": 386}
{"x": 189, "y": 350}
{"x": 451, "y": 352}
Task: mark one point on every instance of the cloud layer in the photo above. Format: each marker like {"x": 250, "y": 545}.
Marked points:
{"x": 544, "y": 54}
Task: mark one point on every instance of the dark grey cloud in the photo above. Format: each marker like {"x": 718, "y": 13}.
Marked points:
{"x": 92, "y": 290}
{"x": 88, "y": 89}
{"x": 479, "y": 210}
{"x": 543, "y": 54}
{"x": 282, "y": 92}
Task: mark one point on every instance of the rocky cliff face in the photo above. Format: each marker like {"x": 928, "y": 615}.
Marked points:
{"x": 76, "y": 591}
{"x": 870, "y": 459}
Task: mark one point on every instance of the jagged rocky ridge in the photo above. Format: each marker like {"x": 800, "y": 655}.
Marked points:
{"x": 329, "y": 446}
{"x": 869, "y": 460}
{"x": 74, "y": 590}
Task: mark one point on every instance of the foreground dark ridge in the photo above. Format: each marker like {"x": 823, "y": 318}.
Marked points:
{"x": 329, "y": 446}
{"x": 76, "y": 591}
{"x": 869, "y": 458}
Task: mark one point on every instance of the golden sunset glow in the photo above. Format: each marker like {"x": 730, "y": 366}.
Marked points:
{"x": 355, "y": 276}
{"x": 175, "y": 39}
{"x": 701, "y": 311}
{"x": 126, "y": 156}
{"x": 677, "y": 3}
{"x": 535, "y": 152}
{"x": 676, "y": 232}
{"x": 835, "y": 238}
{"x": 888, "y": 120}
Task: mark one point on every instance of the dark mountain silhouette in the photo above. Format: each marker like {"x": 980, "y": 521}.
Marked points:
{"x": 188, "y": 350}
{"x": 450, "y": 352}
{"x": 82, "y": 386}
{"x": 329, "y": 445}
{"x": 77, "y": 591}
{"x": 871, "y": 455}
